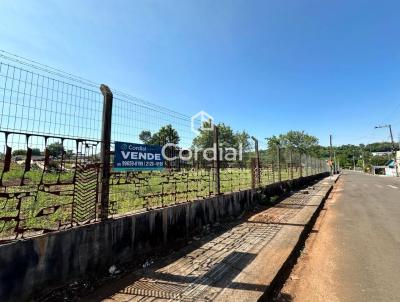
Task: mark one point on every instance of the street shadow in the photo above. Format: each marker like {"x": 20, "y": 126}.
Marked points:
{"x": 159, "y": 284}
{"x": 155, "y": 281}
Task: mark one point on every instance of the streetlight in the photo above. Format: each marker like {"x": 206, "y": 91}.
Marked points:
{"x": 393, "y": 145}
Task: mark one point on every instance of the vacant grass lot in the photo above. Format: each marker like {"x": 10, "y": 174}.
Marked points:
{"x": 46, "y": 200}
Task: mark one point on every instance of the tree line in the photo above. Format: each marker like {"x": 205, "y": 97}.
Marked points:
{"x": 299, "y": 142}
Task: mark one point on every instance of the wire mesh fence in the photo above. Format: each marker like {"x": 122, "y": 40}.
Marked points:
{"x": 144, "y": 190}
{"x": 51, "y": 164}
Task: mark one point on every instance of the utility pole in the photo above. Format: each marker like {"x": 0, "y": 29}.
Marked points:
{"x": 334, "y": 161}
{"x": 363, "y": 161}
{"x": 393, "y": 146}
{"x": 330, "y": 153}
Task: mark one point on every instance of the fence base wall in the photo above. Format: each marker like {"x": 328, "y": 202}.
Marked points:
{"x": 32, "y": 265}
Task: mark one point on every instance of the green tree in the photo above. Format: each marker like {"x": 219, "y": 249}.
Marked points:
{"x": 205, "y": 137}
{"x": 381, "y": 147}
{"x": 56, "y": 149}
{"x": 19, "y": 152}
{"x": 293, "y": 140}
{"x": 274, "y": 141}
{"x": 69, "y": 154}
{"x": 36, "y": 152}
{"x": 146, "y": 137}
{"x": 378, "y": 160}
{"x": 166, "y": 134}
{"x": 298, "y": 140}
{"x": 243, "y": 138}
{"x": 227, "y": 138}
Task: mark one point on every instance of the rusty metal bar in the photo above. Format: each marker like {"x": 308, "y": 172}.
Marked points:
{"x": 217, "y": 180}
{"x": 278, "y": 157}
{"x": 7, "y": 159}
{"x": 291, "y": 163}
{"x": 253, "y": 172}
{"x": 257, "y": 167}
{"x": 104, "y": 183}
{"x": 301, "y": 166}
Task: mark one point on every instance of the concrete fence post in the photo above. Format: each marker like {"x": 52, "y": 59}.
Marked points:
{"x": 217, "y": 180}
{"x": 104, "y": 181}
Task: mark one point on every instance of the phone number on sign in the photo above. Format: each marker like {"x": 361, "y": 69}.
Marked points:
{"x": 142, "y": 164}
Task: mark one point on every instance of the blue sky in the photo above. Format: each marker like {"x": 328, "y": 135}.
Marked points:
{"x": 264, "y": 66}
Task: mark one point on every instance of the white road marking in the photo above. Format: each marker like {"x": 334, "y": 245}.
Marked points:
{"x": 379, "y": 186}
{"x": 393, "y": 187}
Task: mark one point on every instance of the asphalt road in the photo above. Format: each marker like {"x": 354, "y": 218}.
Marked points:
{"x": 369, "y": 234}
{"x": 354, "y": 254}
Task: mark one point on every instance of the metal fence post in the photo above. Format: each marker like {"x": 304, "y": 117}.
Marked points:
{"x": 315, "y": 166}
{"x": 257, "y": 163}
{"x": 312, "y": 165}
{"x": 253, "y": 172}
{"x": 273, "y": 171}
{"x": 104, "y": 182}
{"x": 301, "y": 167}
{"x": 278, "y": 155}
{"x": 217, "y": 180}
{"x": 291, "y": 163}
{"x": 306, "y": 164}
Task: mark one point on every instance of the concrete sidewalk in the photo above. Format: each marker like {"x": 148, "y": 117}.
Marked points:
{"x": 238, "y": 264}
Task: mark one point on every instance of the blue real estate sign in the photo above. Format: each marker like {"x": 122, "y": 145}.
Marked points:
{"x": 134, "y": 157}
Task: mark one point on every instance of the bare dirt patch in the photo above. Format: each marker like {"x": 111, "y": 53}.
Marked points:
{"x": 314, "y": 276}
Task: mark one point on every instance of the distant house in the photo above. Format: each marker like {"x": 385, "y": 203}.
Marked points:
{"x": 18, "y": 158}
{"x": 22, "y": 158}
{"x": 386, "y": 153}
{"x": 37, "y": 157}
{"x": 389, "y": 169}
